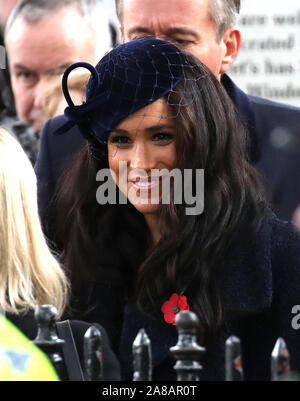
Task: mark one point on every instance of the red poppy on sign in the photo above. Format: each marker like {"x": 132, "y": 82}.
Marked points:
{"x": 175, "y": 305}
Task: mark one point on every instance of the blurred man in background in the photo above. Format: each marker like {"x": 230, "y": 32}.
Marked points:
{"x": 44, "y": 37}
{"x": 8, "y": 118}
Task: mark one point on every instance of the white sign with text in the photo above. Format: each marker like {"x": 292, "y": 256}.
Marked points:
{"x": 269, "y": 61}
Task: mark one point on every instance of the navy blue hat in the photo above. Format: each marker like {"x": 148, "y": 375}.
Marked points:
{"x": 127, "y": 79}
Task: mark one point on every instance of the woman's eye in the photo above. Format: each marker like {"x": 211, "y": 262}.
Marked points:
{"x": 120, "y": 140}
{"x": 163, "y": 136}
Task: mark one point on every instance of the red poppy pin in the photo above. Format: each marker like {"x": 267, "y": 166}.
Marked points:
{"x": 175, "y": 305}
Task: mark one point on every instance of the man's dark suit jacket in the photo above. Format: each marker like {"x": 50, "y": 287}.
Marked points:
{"x": 275, "y": 150}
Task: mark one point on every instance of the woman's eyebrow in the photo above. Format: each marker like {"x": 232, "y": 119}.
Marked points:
{"x": 158, "y": 127}
{"x": 120, "y": 131}
{"x": 153, "y": 128}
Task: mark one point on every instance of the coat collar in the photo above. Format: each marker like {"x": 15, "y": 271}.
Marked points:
{"x": 246, "y": 287}
{"x": 246, "y": 112}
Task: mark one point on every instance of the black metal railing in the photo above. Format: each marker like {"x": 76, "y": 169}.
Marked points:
{"x": 55, "y": 339}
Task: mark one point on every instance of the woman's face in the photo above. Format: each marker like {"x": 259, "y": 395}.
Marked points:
{"x": 138, "y": 147}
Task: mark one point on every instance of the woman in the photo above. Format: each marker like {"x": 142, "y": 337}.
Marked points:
{"x": 153, "y": 111}
{"x": 30, "y": 275}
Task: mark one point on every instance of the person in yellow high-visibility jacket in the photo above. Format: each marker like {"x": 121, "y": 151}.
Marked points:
{"x": 20, "y": 360}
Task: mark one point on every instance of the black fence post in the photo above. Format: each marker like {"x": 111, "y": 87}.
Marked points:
{"x": 233, "y": 359}
{"x": 47, "y": 339}
{"x": 93, "y": 356}
{"x": 187, "y": 352}
{"x": 280, "y": 362}
{"x": 142, "y": 357}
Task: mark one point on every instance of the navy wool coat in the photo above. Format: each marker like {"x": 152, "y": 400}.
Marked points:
{"x": 259, "y": 284}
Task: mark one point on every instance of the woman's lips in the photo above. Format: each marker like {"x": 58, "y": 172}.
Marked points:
{"x": 145, "y": 185}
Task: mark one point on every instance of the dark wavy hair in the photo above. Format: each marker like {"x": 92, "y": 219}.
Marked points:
{"x": 111, "y": 243}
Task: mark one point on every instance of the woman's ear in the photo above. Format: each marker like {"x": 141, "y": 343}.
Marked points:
{"x": 232, "y": 43}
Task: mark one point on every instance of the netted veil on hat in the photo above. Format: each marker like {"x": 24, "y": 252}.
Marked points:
{"x": 127, "y": 79}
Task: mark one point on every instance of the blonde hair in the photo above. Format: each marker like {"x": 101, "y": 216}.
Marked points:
{"x": 30, "y": 275}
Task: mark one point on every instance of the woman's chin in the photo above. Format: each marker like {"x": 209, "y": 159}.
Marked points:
{"x": 146, "y": 208}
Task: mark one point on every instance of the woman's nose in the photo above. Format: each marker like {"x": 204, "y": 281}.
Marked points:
{"x": 141, "y": 158}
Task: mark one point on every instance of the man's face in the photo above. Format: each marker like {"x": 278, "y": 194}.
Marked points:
{"x": 39, "y": 51}
{"x": 187, "y": 23}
